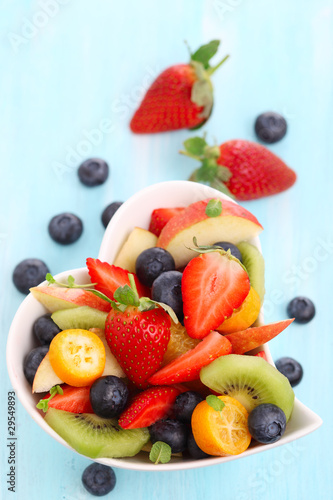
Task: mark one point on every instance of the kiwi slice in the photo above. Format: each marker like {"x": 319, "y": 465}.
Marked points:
{"x": 84, "y": 317}
{"x": 249, "y": 379}
{"x": 96, "y": 437}
{"x": 254, "y": 263}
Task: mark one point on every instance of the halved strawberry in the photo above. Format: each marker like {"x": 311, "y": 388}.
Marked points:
{"x": 213, "y": 285}
{"x": 109, "y": 278}
{"x": 161, "y": 216}
{"x": 148, "y": 407}
{"x": 73, "y": 399}
{"x": 187, "y": 367}
{"x": 249, "y": 339}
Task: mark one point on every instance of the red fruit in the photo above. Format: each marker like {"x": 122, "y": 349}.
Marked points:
{"x": 187, "y": 367}
{"x": 246, "y": 169}
{"x": 261, "y": 354}
{"x": 73, "y": 399}
{"x": 213, "y": 285}
{"x": 161, "y": 216}
{"x": 138, "y": 340}
{"x": 180, "y": 97}
{"x": 256, "y": 171}
{"x": 109, "y": 278}
{"x": 148, "y": 407}
{"x": 249, "y": 339}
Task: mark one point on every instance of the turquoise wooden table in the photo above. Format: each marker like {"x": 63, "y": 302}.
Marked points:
{"x": 72, "y": 72}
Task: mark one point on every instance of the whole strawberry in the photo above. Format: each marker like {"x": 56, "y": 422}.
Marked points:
{"x": 243, "y": 169}
{"x": 180, "y": 97}
{"x": 137, "y": 332}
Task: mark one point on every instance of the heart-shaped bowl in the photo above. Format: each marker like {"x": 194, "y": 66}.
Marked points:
{"x": 134, "y": 212}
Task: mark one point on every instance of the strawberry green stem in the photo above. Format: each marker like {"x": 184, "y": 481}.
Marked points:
{"x": 133, "y": 285}
{"x": 212, "y": 70}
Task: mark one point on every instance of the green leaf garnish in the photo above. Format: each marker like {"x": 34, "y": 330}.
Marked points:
{"x": 70, "y": 282}
{"x": 206, "y": 52}
{"x": 213, "y": 208}
{"x": 49, "y": 278}
{"x": 215, "y": 402}
{"x": 43, "y": 404}
{"x": 160, "y": 453}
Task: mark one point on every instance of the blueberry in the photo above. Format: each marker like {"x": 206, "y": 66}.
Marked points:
{"x": 151, "y": 263}
{"x": 185, "y": 404}
{"x": 194, "y": 449}
{"x": 29, "y": 273}
{"x": 45, "y": 329}
{"x": 98, "y": 479}
{"x": 267, "y": 423}
{"x": 270, "y": 127}
{"x": 172, "y": 432}
{"x": 167, "y": 289}
{"x": 302, "y": 309}
{"x": 65, "y": 228}
{"x": 109, "y": 212}
{"x": 32, "y": 362}
{"x": 108, "y": 396}
{"x": 226, "y": 245}
{"x": 291, "y": 369}
{"x": 93, "y": 172}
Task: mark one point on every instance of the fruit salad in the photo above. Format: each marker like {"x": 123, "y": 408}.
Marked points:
{"x": 159, "y": 351}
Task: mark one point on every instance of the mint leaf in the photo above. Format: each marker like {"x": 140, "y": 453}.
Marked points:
{"x": 125, "y": 295}
{"x": 160, "y": 453}
{"x": 49, "y": 278}
{"x": 215, "y": 402}
{"x": 43, "y": 404}
{"x": 195, "y": 146}
{"x": 206, "y": 52}
{"x": 214, "y": 208}
{"x": 70, "y": 281}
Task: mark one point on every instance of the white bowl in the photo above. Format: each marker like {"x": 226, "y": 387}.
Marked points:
{"x": 135, "y": 212}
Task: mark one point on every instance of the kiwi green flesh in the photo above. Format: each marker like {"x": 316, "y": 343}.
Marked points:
{"x": 96, "y": 437}
{"x": 249, "y": 379}
{"x": 79, "y": 317}
{"x": 254, "y": 263}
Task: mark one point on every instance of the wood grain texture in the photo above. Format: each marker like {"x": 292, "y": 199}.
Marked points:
{"x": 85, "y": 69}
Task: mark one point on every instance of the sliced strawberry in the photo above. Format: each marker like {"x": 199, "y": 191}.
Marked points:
{"x": 148, "y": 407}
{"x": 109, "y": 278}
{"x": 249, "y": 339}
{"x": 73, "y": 399}
{"x": 161, "y": 216}
{"x": 213, "y": 285}
{"x": 187, "y": 367}
{"x": 261, "y": 354}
